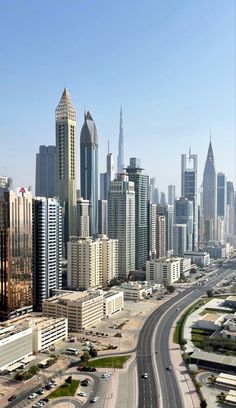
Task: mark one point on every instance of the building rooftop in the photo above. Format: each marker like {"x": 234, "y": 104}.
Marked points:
{"x": 231, "y": 298}
{"x": 215, "y": 358}
{"x": 73, "y": 296}
{"x": 210, "y": 317}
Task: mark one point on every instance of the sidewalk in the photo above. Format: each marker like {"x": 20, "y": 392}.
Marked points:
{"x": 190, "y": 398}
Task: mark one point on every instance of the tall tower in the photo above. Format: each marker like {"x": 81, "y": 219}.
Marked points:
{"x": 45, "y": 177}
{"x": 121, "y": 222}
{"x": 15, "y": 253}
{"x": 47, "y": 248}
{"x": 209, "y": 188}
{"x": 66, "y": 164}
{"x": 120, "y": 158}
{"x": 184, "y": 215}
{"x": 110, "y": 174}
{"x": 221, "y": 195}
{"x": 141, "y": 182}
{"x": 189, "y": 186}
{"x": 89, "y": 168}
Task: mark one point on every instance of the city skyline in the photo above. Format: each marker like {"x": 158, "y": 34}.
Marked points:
{"x": 182, "y": 91}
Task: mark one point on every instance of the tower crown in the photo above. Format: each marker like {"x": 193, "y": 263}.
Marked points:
{"x": 65, "y": 110}
{"x": 89, "y": 131}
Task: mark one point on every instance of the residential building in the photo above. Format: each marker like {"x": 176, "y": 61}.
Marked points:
{"x": 163, "y": 271}
{"x": 221, "y": 195}
{"x": 189, "y": 188}
{"x": 45, "y": 177}
{"x": 47, "y": 248}
{"x": 185, "y": 266}
{"x": 82, "y": 309}
{"x": 161, "y": 236}
{"x": 162, "y": 198}
{"x": 230, "y": 224}
{"x": 141, "y": 182}
{"x": 152, "y": 230}
{"x": 102, "y": 217}
{"x": 184, "y": 215}
{"x": 121, "y": 222}
{"x": 5, "y": 184}
{"x": 89, "y": 168}
{"x": 83, "y": 218}
{"x": 15, "y": 253}
{"x": 92, "y": 263}
{"x": 66, "y": 164}
{"x": 179, "y": 239}
{"x": 167, "y": 211}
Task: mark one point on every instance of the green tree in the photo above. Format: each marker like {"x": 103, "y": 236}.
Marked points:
{"x": 170, "y": 288}
{"x": 69, "y": 380}
{"x": 84, "y": 357}
{"x": 93, "y": 352}
{"x": 203, "y": 404}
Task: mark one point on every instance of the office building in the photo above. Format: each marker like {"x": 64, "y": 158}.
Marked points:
{"x": 161, "y": 236}
{"x": 134, "y": 290}
{"x": 209, "y": 189}
{"x": 5, "y": 183}
{"x": 89, "y": 168}
{"x": 113, "y": 302}
{"x": 82, "y": 309}
{"x": 15, "y": 253}
{"x": 179, "y": 239}
{"x": 102, "y": 217}
{"x": 156, "y": 199}
{"x": 221, "y": 195}
{"x": 151, "y": 188}
{"x": 167, "y": 211}
{"x": 152, "y": 230}
{"x": 141, "y": 182}
{"x": 45, "y": 177}
{"x": 184, "y": 215}
{"x": 110, "y": 173}
{"x": 199, "y": 258}
{"x": 66, "y": 164}
{"x": 220, "y": 229}
{"x": 121, "y": 158}
{"x": 47, "y": 248}
{"x": 121, "y": 222}
{"x": 92, "y": 263}
{"x": 189, "y": 188}
{"x": 82, "y": 218}
{"x": 163, "y": 271}
{"x": 171, "y": 194}
{"x": 230, "y": 210}
{"x": 162, "y": 198}
{"x": 103, "y": 186}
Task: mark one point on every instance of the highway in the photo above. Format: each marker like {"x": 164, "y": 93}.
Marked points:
{"x": 161, "y": 389}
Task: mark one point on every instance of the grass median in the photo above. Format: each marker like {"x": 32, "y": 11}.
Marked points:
{"x": 108, "y": 362}
{"x": 65, "y": 390}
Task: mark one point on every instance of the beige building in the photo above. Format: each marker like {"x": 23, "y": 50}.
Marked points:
{"x": 166, "y": 271}
{"x": 134, "y": 290}
{"x": 161, "y": 236}
{"x": 46, "y": 332}
{"x": 92, "y": 263}
{"x": 83, "y": 218}
{"x": 113, "y": 302}
{"x": 82, "y": 309}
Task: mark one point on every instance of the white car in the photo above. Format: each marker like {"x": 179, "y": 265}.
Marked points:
{"x": 82, "y": 394}
{"x": 145, "y": 375}
{"x": 32, "y": 396}
{"x": 95, "y": 399}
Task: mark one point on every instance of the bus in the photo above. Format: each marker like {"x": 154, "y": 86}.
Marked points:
{"x": 72, "y": 351}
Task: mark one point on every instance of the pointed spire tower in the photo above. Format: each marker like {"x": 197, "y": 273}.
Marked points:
{"x": 209, "y": 193}
{"x": 65, "y": 116}
{"x": 120, "y": 157}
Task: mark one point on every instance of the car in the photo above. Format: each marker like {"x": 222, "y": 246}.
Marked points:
{"x": 95, "y": 399}
{"x": 84, "y": 383}
{"x": 169, "y": 368}
{"x": 177, "y": 309}
{"x": 145, "y": 375}
{"x": 32, "y": 396}
{"x": 43, "y": 402}
{"x": 82, "y": 394}
{"x": 40, "y": 391}
{"x": 12, "y": 397}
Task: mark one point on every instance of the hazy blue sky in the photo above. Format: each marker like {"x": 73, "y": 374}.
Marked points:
{"x": 171, "y": 64}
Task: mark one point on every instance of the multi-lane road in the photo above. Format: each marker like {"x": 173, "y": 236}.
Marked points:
{"x": 161, "y": 389}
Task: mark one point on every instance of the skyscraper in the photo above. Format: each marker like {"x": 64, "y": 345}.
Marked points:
{"x": 152, "y": 227}
{"x": 180, "y": 239}
{"x": 184, "y": 215}
{"x": 15, "y": 253}
{"x": 45, "y": 177}
{"x": 120, "y": 158}
{"x": 89, "y": 168}
{"x": 121, "y": 222}
{"x": 209, "y": 189}
{"x": 221, "y": 195}
{"x": 171, "y": 194}
{"x": 167, "y": 211}
{"x": 161, "y": 237}
{"x": 189, "y": 188}
{"x": 230, "y": 209}
{"x": 110, "y": 169}
{"x": 66, "y": 164}
{"x": 102, "y": 217}
{"x": 47, "y": 248}
{"x": 141, "y": 182}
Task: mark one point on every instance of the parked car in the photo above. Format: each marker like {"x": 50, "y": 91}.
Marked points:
{"x": 12, "y": 397}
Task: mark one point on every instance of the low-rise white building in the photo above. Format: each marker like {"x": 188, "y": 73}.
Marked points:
{"x": 113, "y": 302}
{"x": 185, "y": 266}
{"x": 164, "y": 271}
{"x": 229, "y": 328}
{"x": 46, "y": 332}
{"x": 198, "y": 258}
{"x": 15, "y": 343}
{"x": 134, "y": 290}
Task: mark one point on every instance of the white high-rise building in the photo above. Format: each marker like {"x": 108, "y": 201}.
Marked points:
{"x": 152, "y": 230}
{"x": 82, "y": 218}
{"x": 102, "y": 217}
{"x": 180, "y": 239}
{"x": 92, "y": 263}
{"x": 47, "y": 248}
{"x": 163, "y": 271}
{"x": 121, "y": 221}
{"x": 171, "y": 194}
{"x": 161, "y": 236}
